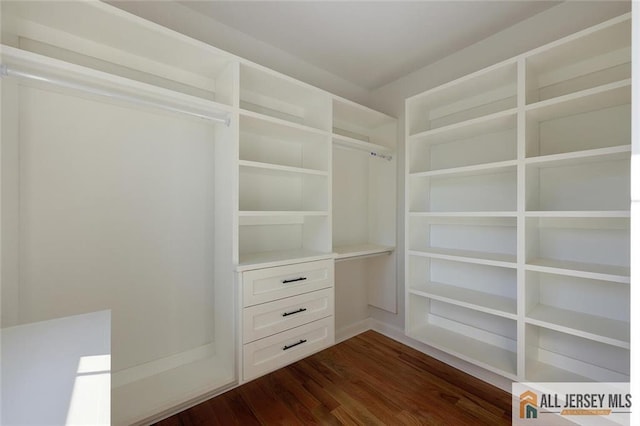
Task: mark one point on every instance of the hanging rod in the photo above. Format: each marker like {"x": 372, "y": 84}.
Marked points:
{"x": 380, "y": 155}
{"x": 362, "y": 146}
{"x": 5, "y": 71}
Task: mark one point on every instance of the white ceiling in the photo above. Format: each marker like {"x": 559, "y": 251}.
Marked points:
{"x": 369, "y": 43}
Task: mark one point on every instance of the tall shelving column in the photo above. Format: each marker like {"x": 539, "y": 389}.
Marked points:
{"x": 364, "y": 204}
{"x": 462, "y": 218}
{"x": 284, "y": 166}
{"x": 577, "y": 179}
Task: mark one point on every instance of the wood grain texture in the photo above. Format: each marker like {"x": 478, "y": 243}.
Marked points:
{"x": 367, "y": 380}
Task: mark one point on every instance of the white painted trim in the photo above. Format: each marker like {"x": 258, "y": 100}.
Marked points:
{"x": 352, "y": 330}
{"x": 475, "y": 371}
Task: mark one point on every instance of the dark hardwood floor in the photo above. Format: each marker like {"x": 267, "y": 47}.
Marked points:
{"x": 367, "y": 380}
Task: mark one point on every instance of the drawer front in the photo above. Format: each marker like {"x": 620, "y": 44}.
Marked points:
{"x": 273, "y": 352}
{"x": 265, "y": 285}
{"x": 273, "y": 317}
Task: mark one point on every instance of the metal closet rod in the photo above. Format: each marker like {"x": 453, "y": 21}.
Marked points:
{"x": 381, "y": 155}
{"x": 5, "y": 71}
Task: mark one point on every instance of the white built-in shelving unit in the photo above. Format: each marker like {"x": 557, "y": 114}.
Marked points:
{"x": 518, "y": 198}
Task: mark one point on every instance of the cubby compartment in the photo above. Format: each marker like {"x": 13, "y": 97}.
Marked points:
{"x": 353, "y": 123}
{"x": 273, "y": 144}
{"x": 280, "y": 190}
{"x": 553, "y": 356}
{"x": 363, "y": 216}
{"x": 593, "y": 309}
{"x": 488, "y": 91}
{"x": 595, "y": 248}
{"x": 482, "y": 142}
{"x": 580, "y": 184}
{"x": 485, "y": 288}
{"x": 476, "y": 337}
{"x": 492, "y": 189}
{"x": 267, "y": 93}
{"x": 282, "y": 239}
{"x": 586, "y": 125}
{"x": 492, "y": 239}
{"x": 600, "y": 56}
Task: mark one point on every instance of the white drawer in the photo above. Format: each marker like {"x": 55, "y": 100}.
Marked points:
{"x": 273, "y": 317}
{"x": 273, "y": 352}
{"x": 265, "y": 285}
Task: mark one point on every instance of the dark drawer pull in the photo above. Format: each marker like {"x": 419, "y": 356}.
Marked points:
{"x": 294, "y": 344}
{"x": 293, "y": 280}
{"x": 286, "y": 314}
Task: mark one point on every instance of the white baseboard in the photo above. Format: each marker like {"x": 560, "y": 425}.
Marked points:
{"x": 473, "y": 370}
{"x": 352, "y": 330}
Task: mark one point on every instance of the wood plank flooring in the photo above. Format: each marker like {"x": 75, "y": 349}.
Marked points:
{"x": 367, "y": 380}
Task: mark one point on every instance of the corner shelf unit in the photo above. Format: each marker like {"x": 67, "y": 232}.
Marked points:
{"x": 518, "y": 202}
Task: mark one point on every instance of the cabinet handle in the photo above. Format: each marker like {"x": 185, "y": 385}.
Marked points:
{"x": 293, "y": 280}
{"x": 294, "y": 344}
{"x": 286, "y": 314}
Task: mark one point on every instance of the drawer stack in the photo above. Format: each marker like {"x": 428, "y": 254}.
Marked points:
{"x": 287, "y": 314}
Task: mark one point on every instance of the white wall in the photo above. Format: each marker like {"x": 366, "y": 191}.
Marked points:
{"x": 552, "y": 24}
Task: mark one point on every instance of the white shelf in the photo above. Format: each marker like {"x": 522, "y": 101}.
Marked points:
{"x": 464, "y": 214}
{"x": 581, "y": 157}
{"x": 592, "y": 327}
{"x": 481, "y": 258}
{"x": 584, "y": 270}
{"x": 278, "y": 168}
{"x": 249, "y": 261}
{"x": 581, "y": 214}
{"x": 359, "y": 250}
{"x": 492, "y": 358}
{"x": 469, "y": 170}
{"x": 595, "y": 98}
{"x": 477, "y": 300}
{"x": 271, "y": 213}
{"x": 482, "y": 125}
{"x": 281, "y": 122}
